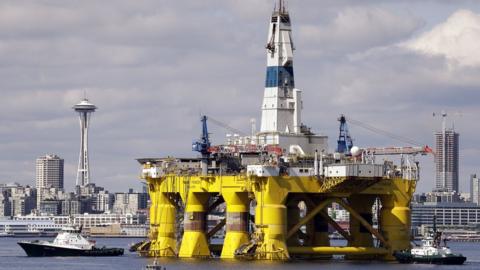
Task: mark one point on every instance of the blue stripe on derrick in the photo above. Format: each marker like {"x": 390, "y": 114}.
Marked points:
{"x": 278, "y": 75}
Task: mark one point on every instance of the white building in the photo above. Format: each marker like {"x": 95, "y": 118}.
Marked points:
{"x": 49, "y": 174}
{"x": 129, "y": 202}
{"x": 87, "y": 220}
{"x": 474, "y": 189}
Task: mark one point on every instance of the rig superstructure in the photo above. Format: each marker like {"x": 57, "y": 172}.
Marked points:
{"x": 265, "y": 179}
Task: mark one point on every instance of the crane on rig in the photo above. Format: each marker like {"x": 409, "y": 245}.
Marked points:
{"x": 403, "y": 150}
{"x": 344, "y": 140}
{"x": 203, "y": 145}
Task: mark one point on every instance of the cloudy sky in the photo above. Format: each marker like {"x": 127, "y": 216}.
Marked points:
{"x": 152, "y": 67}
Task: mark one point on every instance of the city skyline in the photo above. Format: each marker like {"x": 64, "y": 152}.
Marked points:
{"x": 379, "y": 62}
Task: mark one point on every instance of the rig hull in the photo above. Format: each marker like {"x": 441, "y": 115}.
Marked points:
{"x": 277, "y": 220}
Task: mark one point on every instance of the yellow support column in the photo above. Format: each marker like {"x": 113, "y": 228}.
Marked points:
{"x": 194, "y": 241}
{"x": 361, "y": 237}
{"x": 395, "y": 215}
{"x": 166, "y": 244}
{"x": 271, "y": 220}
{"x": 154, "y": 188}
{"x": 237, "y": 222}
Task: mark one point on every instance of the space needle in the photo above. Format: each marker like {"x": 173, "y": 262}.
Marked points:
{"x": 85, "y": 110}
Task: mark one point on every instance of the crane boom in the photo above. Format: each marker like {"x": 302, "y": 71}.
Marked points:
{"x": 407, "y": 150}
{"x": 225, "y": 126}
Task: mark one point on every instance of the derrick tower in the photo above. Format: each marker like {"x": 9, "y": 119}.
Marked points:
{"x": 282, "y": 104}
{"x": 281, "y": 110}
{"x": 85, "y": 110}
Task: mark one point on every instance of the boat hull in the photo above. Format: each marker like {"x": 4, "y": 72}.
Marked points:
{"x": 407, "y": 257}
{"x": 41, "y": 250}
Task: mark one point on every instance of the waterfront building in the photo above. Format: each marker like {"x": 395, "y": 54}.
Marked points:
{"x": 33, "y": 225}
{"x": 446, "y": 160}
{"x": 49, "y": 174}
{"x": 88, "y": 220}
{"x": 448, "y": 215}
{"x": 117, "y": 229}
{"x": 71, "y": 207}
{"x": 19, "y": 227}
{"x": 474, "y": 189}
{"x": 50, "y": 207}
{"x": 130, "y": 202}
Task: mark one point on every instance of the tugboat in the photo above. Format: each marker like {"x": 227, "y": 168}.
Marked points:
{"x": 69, "y": 242}
{"x": 430, "y": 252}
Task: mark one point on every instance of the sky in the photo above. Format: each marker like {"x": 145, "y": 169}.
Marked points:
{"x": 152, "y": 67}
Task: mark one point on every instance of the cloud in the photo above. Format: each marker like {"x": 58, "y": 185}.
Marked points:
{"x": 456, "y": 39}
{"x": 359, "y": 28}
{"x": 153, "y": 66}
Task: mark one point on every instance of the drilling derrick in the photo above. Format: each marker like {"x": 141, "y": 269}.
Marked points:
{"x": 276, "y": 185}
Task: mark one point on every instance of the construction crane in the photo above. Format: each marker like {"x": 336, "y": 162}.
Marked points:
{"x": 203, "y": 145}
{"x": 344, "y": 143}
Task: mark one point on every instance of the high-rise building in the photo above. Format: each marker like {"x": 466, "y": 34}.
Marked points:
{"x": 474, "y": 189}
{"x": 85, "y": 110}
{"x": 49, "y": 174}
{"x": 446, "y": 160}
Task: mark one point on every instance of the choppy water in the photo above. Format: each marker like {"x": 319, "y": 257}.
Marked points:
{"x": 13, "y": 257}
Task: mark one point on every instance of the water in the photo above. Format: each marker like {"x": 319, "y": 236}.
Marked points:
{"x": 13, "y": 257}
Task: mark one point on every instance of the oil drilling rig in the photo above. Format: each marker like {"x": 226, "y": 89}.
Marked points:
{"x": 265, "y": 178}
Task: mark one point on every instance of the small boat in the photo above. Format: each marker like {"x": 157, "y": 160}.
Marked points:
{"x": 6, "y": 234}
{"x": 430, "y": 252}
{"x": 69, "y": 242}
{"x": 154, "y": 266}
